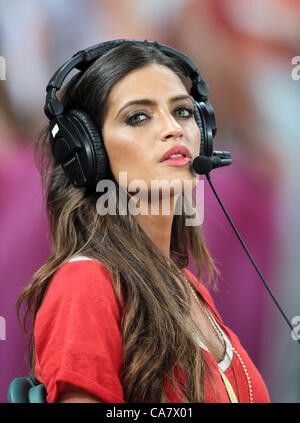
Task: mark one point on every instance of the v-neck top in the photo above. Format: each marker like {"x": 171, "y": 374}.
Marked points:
{"x": 78, "y": 340}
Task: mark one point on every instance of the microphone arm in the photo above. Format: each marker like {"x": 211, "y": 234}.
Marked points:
{"x": 221, "y": 158}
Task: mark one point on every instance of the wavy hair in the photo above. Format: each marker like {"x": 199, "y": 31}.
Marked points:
{"x": 156, "y": 338}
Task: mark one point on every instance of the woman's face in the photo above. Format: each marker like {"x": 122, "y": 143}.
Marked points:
{"x": 150, "y": 111}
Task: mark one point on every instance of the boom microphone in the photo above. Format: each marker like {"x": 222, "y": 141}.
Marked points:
{"x": 203, "y": 164}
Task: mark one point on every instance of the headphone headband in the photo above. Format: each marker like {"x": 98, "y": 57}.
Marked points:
{"x": 84, "y": 58}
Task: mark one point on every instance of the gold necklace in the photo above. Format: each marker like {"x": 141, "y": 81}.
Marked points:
{"x": 222, "y": 340}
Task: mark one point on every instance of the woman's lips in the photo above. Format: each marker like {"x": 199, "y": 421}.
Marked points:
{"x": 176, "y": 150}
{"x": 177, "y": 161}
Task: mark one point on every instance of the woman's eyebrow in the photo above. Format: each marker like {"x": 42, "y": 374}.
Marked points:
{"x": 151, "y": 102}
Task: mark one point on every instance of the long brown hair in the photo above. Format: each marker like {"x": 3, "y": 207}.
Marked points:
{"x": 156, "y": 338}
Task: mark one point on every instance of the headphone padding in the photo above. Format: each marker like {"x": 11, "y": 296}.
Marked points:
{"x": 199, "y": 122}
{"x": 96, "y": 141}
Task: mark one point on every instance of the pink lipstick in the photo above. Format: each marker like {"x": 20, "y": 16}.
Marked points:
{"x": 176, "y": 156}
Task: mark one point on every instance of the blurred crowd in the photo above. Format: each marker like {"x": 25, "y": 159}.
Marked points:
{"x": 244, "y": 51}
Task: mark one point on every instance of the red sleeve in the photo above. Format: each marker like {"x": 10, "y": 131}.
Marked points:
{"x": 77, "y": 333}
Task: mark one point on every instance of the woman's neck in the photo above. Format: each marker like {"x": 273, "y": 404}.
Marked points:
{"x": 158, "y": 227}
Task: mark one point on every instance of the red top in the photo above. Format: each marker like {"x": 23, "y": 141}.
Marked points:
{"x": 78, "y": 339}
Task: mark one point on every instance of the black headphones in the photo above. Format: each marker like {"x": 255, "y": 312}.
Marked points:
{"x": 76, "y": 141}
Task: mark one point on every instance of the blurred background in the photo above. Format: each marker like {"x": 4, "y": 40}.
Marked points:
{"x": 244, "y": 51}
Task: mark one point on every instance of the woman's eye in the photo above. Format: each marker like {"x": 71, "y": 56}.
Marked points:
{"x": 136, "y": 119}
{"x": 184, "y": 112}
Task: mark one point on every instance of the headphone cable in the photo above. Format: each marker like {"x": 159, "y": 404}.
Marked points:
{"x": 249, "y": 255}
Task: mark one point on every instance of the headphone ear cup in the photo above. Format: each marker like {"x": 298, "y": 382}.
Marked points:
{"x": 199, "y": 122}
{"x": 93, "y": 157}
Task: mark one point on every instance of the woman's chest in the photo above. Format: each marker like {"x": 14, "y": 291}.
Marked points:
{"x": 206, "y": 332}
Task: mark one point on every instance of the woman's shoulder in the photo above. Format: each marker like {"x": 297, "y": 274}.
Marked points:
{"x": 80, "y": 275}
{"x": 78, "y": 267}
{"x": 80, "y": 286}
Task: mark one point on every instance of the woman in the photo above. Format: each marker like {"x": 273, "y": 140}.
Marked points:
{"x": 117, "y": 317}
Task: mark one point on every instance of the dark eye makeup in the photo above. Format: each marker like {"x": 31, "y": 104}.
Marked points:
{"x": 138, "y": 118}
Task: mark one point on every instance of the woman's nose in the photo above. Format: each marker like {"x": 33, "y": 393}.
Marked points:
{"x": 170, "y": 129}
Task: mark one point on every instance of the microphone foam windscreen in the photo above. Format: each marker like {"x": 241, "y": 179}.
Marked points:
{"x": 202, "y": 165}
